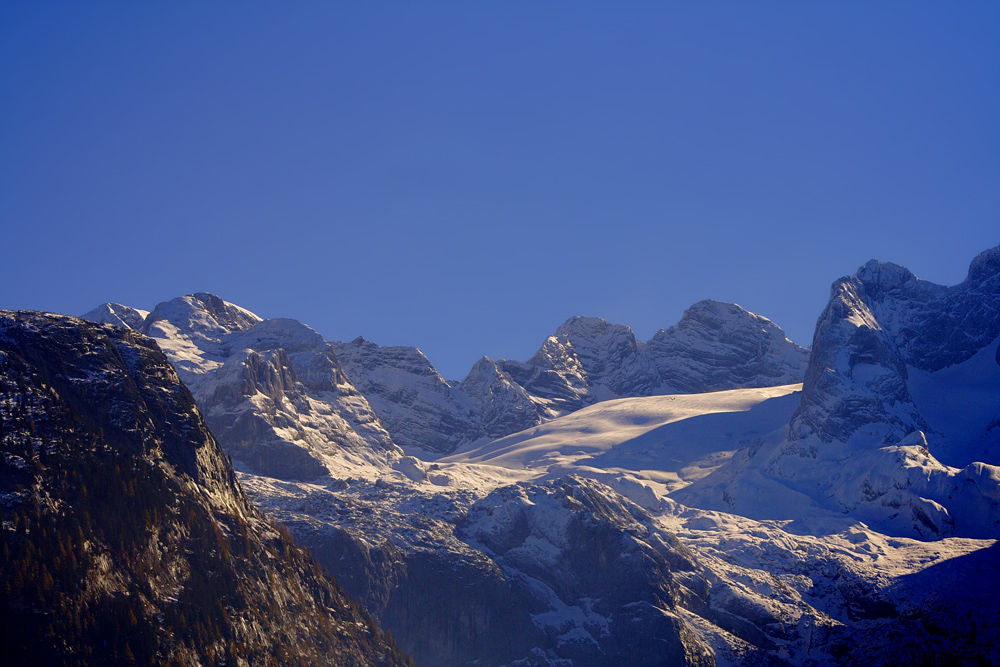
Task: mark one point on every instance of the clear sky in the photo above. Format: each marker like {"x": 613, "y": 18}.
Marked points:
{"x": 464, "y": 176}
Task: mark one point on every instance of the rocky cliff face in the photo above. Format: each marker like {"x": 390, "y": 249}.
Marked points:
{"x": 601, "y": 581}
{"x": 897, "y": 424}
{"x": 614, "y": 362}
{"x": 414, "y": 403}
{"x": 880, "y": 322}
{"x": 718, "y": 346}
{"x": 502, "y": 405}
{"x": 272, "y": 391}
{"x": 125, "y": 537}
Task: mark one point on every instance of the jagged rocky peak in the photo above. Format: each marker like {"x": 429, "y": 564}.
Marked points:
{"x": 611, "y": 356}
{"x": 202, "y": 315}
{"x": 985, "y": 266}
{"x": 879, "y": 324}
{"x": 857, "y": 375}
{"x": 897, "y": 424}
{"x": 118, "y": 315}
{"x": 126, "y": 538}
{"x": 502, "y": 405}
{"x": 554, "y": 374}
{"x": 409, "y": 396}
{"x": 879, "y": 276}
{"x": 718, "y": 346}
{"x": 371, "y": 356}
{"x": 282, "y": 404}
{"x": 273, "y": 391}
{"x": 715, "y": 346}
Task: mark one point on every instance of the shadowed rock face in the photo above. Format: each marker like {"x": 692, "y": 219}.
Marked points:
{"x": 718, "y": 346}
{"x": 878, "y": 322}
{"x": 573, "y": 544}
{"x": 567, "y": 570}
{"x": 897, "y": 424}
{"x": 121, "y": 505}
{"x": 502, "y": 405}
{"x": 610, "y": 356}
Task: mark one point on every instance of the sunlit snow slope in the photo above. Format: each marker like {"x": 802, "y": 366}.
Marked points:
{"x": 665, "y": 441}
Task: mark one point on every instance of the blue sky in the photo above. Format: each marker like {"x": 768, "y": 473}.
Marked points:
{"x": 463, "y": 177}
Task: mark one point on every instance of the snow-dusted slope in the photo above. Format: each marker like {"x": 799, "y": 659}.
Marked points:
{"x": 903, "y": 376}
{"x": 118, "y": 315}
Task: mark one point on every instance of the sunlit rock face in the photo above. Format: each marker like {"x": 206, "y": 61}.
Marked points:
{"x": 272, "y": 391}
{"x": 414, "y": 403}
{"x": 126, "y": 534}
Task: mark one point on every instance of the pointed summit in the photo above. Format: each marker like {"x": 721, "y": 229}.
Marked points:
{"x": 118, "y": 315}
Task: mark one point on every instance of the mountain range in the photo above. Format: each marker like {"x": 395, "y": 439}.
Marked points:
{"x": 224, "y": 352}
{"x": 716, "y": 495}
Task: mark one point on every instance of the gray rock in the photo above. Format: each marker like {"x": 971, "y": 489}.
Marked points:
{"x": 878, "y": 322}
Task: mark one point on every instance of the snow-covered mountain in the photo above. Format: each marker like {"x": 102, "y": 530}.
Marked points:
{"x": 898, "y": 423}
{"x": 118, "y": 315}
{"x": 715, "y": 346}
{"x": 272, "y": 391}
{"x": 252, "y": 392}
{"x": 719, "y": 346}
{"x": 414, "y": 403}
